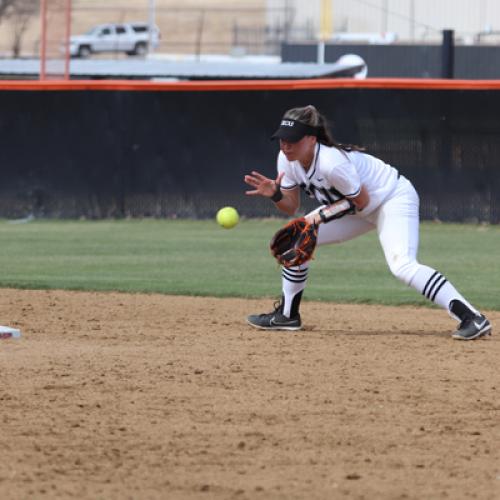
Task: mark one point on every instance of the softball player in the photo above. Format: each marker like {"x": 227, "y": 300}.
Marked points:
{"x": 357, "y": 193}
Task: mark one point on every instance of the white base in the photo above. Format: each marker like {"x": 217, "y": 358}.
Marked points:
{"x": 9, "y": 333}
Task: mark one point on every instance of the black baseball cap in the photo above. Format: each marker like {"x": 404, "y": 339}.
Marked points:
{"x": 293, "y": 130}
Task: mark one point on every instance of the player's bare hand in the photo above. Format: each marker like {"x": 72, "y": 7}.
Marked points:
{"x": 262, "y": 185}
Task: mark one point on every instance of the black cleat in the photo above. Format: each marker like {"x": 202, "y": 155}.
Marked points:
{"x": 275, "y": 320}
{"x": 473, "y": 328}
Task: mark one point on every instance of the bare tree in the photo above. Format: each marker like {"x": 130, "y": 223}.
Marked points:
{"x": 5, "y": 6}
{"x": 21, "y": 13}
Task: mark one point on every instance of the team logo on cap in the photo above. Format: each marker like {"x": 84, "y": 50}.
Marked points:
{"x": 287, "y": 123}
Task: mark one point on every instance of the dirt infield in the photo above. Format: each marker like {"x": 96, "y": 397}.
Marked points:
{"x": 116, "y": 396}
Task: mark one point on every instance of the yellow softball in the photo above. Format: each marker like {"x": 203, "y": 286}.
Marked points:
{"x": 227, "y": 217}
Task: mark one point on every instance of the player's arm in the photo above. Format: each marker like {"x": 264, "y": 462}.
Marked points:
{"x": 290, "y": 201}
{"x": 286, "y": 200}
{"x": 362, "y": 199}
{"x": 340, "y": 208}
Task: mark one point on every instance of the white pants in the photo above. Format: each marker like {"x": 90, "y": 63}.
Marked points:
{"x": 397, "y": 224}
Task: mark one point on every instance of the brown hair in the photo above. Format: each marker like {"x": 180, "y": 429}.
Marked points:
{"x": 311, "y": 116}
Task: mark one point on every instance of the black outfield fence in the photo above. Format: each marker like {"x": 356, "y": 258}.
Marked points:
{"x": 471, "y": 62}
{"x": 178, "y": 150}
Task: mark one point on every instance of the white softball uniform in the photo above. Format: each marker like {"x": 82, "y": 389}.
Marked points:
{"x": 335, "y": 174}
{"x": 393, "y": 210}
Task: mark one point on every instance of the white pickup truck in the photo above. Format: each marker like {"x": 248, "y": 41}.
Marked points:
{"x": 130, "y": 38}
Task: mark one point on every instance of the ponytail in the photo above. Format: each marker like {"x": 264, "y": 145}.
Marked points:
{"x": 311, "y": 116}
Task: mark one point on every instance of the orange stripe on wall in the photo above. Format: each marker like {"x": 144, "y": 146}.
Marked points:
{"x": 235, "y": 85}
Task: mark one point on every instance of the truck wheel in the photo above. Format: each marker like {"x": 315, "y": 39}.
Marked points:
{"x": 84, "y": 51}
{"x": 141, "y": 49}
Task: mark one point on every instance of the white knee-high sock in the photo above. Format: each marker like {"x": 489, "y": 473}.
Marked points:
{"x": 433, "y": 285}
{"x": 293, "y": 281}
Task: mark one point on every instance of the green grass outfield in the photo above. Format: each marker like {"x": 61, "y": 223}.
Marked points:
{"x": 200, "y": 258}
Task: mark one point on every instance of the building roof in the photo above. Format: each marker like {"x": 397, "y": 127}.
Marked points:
{"x": 148, "y": 69}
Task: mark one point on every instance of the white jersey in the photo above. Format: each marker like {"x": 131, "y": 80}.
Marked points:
{"x": 336, "y": 174}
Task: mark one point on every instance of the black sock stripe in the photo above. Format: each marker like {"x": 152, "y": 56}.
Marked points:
{"x": 436, "y": 283}
{"x": 295, "y": 271}
{"x": 439, "y": 288}
{"x": 424, "y": 292}
{"x": 292, "y": 274}
{"x": 433, "y": 286}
